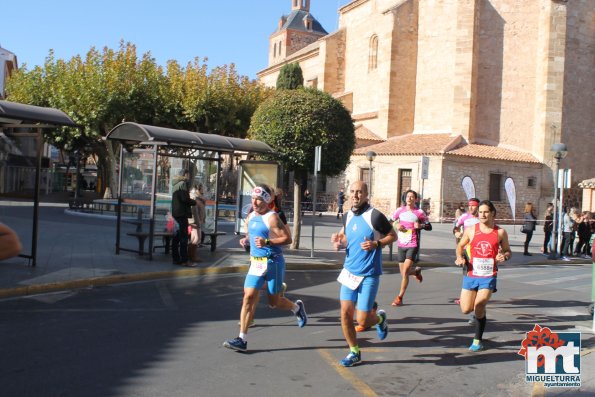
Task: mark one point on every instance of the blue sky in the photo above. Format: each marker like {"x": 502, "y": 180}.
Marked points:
{"x": 224, "y": 31}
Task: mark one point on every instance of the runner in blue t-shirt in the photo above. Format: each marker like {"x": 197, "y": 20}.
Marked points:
{"x": 365, "y": 231}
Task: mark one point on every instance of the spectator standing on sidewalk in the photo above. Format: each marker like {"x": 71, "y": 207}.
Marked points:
{"x": 548, "y": 227}
{"x": 568, "y": 225}
{"x": 364, "y": 233}
{"x": 488, "y": 246}
{"x": 340, "y": 202}
{"x": 529, "y": 226}
{"x": 180, "y": 210}
{"x": 10, "y": 245}
{"x": 197, "y": 222}
{"x": 583, "y": 231}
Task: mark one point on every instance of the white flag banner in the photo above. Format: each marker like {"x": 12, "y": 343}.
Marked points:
{"x": 511, "y": 193}
{"x": 468, "y": 187}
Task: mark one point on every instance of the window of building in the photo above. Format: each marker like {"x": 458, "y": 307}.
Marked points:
{"x": 308, "y": 24}
{"x": 495, "y": 187}
{"x": 364, "y": 175}
{"x": 373, "y": 53}
{"x": 532, "y": 182}
{"x": 312, "y": 83}
{"x": 404, "y": 184}
{"x": 275, "y": 50}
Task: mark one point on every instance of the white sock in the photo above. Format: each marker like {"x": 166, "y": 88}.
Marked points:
{"x": 243, "y": 336}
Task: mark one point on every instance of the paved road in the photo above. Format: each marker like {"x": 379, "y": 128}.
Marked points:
{"x": 164, "y": 338}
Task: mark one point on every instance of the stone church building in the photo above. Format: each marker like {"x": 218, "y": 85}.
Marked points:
{"x": 482, "y": 88}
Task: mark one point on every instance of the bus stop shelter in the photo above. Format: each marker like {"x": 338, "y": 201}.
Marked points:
{"x": 150, "y": 159}
{"x": 19, "y": 123}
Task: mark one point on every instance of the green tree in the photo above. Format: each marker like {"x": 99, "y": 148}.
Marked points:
{"x": 107, "y": 87}
{"x": 294, "y": 122}
{"x": 290, "y": 77}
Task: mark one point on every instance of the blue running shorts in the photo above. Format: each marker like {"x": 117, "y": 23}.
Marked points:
{"x": 274, "y": 276}
{"x": 364, "y": 296}
{"x": 477, "y": 283}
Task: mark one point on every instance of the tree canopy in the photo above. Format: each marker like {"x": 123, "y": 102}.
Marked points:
{"x": 293, "y": 123}
{"x": 290, "y": 77}
{"x": 107, "y": 87}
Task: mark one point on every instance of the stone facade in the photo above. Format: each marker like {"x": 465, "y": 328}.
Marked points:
{"x": 513, "y": 75}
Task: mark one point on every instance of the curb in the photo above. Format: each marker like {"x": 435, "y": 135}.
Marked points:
{"x": 192, "y": 272}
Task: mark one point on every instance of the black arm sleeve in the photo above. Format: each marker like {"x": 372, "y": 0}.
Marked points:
{"x": 380, "y": 223}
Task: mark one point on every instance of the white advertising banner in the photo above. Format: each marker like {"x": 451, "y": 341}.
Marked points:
{"x": 511, "y": 194}
{"x": 468, "y": 187}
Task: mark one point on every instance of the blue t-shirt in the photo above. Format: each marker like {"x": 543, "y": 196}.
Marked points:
{"x": 367, "y": 223}
{"x": 257, "y": 227}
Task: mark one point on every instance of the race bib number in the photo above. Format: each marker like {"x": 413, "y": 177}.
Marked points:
{"x": 258, "y": 266}
{"x": 405, "y": 237}
{"x": 483, "y": 267}
{"x": 349, "y": 280}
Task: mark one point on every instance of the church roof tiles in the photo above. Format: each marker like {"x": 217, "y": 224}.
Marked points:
{"x": 295, "y": 21}
{"x": 362, "y": 132}
{"x": 443, "y": 144}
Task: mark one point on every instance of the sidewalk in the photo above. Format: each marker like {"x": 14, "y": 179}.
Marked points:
{"x": 78, "y": 251}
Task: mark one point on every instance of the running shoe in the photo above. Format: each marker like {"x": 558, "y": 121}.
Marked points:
{"x": 475, "y": 347}
{"x": 351, "y": 359}
{"x": 398, "y": 301}
{"x": 565, "y": 258}
{"x": 471, "y": 320}
{"x": 382, "y": 328}
{"x": 418, "y": 275}
{"x": 236, "y": 344}
{"x": 302, "y": 317}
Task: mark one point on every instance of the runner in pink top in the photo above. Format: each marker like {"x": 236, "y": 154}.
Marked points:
{"x": 469, "y": 218}
{"x": 408, "y": 221}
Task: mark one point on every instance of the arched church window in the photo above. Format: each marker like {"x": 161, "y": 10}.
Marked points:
{"x": 373, "y": 53}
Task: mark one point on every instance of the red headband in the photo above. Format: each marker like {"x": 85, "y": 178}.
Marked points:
{"x": 473, "y": 202}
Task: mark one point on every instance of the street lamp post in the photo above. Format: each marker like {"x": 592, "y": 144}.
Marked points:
{"x": 560, "y": 152}
{"x": 371, "y": 155}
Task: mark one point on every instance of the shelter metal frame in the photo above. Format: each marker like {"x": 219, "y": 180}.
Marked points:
{"x": 17, "y": 117}
{"x": 180, "y": 144}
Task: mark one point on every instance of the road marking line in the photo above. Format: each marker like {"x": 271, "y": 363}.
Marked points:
{"x": 348, "y": 375}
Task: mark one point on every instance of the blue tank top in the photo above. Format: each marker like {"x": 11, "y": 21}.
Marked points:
{"x": 257, "y": 227}
{"x": 358, "y": 261}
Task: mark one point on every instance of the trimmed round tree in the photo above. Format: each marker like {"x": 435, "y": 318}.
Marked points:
{"x": 293, "y": 123}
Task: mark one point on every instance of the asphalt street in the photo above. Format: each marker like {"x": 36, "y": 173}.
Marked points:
{"x": 164, "y": 338}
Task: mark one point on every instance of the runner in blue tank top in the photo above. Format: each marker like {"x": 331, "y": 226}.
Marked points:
{"x": 265, "y": 235}
{"x": 365, "y": 231}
